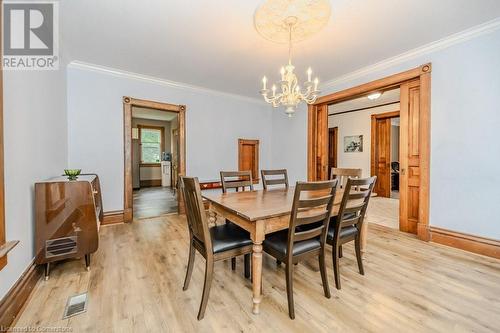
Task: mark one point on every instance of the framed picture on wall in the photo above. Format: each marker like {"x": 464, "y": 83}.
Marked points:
{"x": 353, "y": 144}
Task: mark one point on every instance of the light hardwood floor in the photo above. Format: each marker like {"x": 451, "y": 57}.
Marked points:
{"x": 154, "y": 201}
{"x": 135, "y": 285}
{"x": 383, "y": 211}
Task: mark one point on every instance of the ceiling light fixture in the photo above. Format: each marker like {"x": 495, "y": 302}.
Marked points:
{"x": 294, "y": 20}
{"x": 374, "y": 96}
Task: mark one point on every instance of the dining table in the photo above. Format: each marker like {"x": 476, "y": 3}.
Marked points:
{"x": 261, "y": 212}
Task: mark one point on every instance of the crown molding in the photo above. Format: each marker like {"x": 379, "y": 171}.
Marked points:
{"x": 440, "y": 44}
{"x": 76, "y": 64}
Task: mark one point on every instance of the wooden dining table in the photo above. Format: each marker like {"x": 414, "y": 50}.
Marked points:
{"x": 261, "y": 212}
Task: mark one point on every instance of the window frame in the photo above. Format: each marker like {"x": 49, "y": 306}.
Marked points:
{"x": 162, "y": 144}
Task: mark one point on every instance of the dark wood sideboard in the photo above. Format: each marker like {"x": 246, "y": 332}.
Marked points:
{"x": 68, "y": 216}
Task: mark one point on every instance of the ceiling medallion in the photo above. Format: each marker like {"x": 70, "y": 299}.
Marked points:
{"x": 289, "y": 21}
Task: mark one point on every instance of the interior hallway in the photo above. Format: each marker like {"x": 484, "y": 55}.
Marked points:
{"x": 154, "y": 201}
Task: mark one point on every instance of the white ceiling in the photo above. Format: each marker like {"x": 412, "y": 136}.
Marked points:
{"x": 390, "y": 96}
{"x": 152, "y": 114}
{"x": 212, "y": 43}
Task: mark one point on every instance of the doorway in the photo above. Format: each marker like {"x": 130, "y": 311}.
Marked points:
{"x": 384, "y": 157}
{"x": 332, "y": 149}
{"x": 154, "y": 155}
{"x": 414, "y": 88}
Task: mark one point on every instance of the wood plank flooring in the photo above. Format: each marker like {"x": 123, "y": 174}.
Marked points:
{"x": 383, "y": 211}
{"x": 153, "y": 202}
{"x": 135, "y": 285}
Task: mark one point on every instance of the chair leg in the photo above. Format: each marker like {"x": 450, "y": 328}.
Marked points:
{"x": 189, "y": 270}
{"x": 357, "y": 246}
{"x": 233, "y": 263}
{"x": 324, "y": 276}
{"x": 289, "y": 290}
{"x": 209, "y": 270}
{"x": 341, "y": 254}
{"x": 336, "y": 268}
{"x": 247, "y": 265}
{"x": 87, "y": 262}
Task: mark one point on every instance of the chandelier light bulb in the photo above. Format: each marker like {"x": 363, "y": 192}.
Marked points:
{"x": 309, "y": 73}
{"x": 264, "y": 82}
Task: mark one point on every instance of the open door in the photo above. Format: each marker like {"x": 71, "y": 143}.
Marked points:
{"x": 410, "y": 152}
{"x": 381, "y": 154}
{"x": 332, "y": 149}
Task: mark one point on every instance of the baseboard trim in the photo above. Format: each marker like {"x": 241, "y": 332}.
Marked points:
{"x": 113, "y": 217}
{"x": 13, "y": 302}
{"x": 150, "y": 182}
{"x": 476, "y": 244}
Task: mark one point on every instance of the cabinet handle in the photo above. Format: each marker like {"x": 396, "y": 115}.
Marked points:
{"x": 96, "y": 192}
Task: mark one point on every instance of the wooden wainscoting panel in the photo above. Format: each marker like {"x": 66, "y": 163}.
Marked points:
{"x": 12, "y": 303}
{"x": 113, "y": 217}
{"x": 480, "y": 245}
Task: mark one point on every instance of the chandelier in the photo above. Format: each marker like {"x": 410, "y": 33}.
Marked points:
{"x": 294, "y": 20}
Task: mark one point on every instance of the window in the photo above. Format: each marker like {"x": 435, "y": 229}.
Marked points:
{"x": 151, "y": 144}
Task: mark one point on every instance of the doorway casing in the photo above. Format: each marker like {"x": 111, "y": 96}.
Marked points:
{"x": 317, "y": 139}
{"x": 128, "y": 103}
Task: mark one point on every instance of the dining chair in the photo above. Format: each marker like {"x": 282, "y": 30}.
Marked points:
{"x": 342, "y": 174}
{"x": 236, "y": 180}
{"x": 214, "y": 244}
{"x": 274, "y": 177}
{"x": 347, "y": 225}
{"x": 312, "y": 203}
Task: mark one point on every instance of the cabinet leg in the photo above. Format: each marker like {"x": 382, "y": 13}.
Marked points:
{"x": 87, "y": 262}
{"x": 47, "y": 271}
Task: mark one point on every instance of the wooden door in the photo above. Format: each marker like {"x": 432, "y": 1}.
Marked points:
{"x": 248, "y": 157}
{"x": 332, "y": 149}
{"x": 381, "y": 155}
{"x": 410, "y": 156}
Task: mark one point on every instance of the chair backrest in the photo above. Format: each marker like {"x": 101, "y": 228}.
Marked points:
{"x": 354, "y": 203}
{"x": 195, "y": 211}
{"x": 236, "y": 180}
{"x": 342, "y": 174}
{"x": 312, "y": 203}
{"x": 274, "y": 177}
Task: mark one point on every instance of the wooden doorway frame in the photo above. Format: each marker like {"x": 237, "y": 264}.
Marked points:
{"x": 373, "y": 135}
{"x": 317, "y": 126}
{"x": 128, "y": 103}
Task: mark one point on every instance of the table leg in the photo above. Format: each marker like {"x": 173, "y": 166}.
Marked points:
{"x": 257, "y": 277}
{"x": 258, "y": 236}
{"x": 212, "y": 218}
{"x": 364, "y": 234}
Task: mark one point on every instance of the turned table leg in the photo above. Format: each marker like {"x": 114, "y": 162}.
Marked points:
{"x": 258, "y": 236}
{"x": 363, "y": 236}
{"x": 257, "y": 277}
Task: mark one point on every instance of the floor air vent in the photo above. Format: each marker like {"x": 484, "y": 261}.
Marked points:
{"x": 76, "y": 305}
{"x": 60, "y": 246}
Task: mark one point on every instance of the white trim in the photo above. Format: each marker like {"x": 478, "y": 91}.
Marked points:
{"x": 440, "y": 44}
{"x": 179, "y": 85}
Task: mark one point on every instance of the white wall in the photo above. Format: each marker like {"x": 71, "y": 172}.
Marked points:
{"x": 356, "y": 123}
{"x": 214, "y": 122}
{"x": 35, "y": 143}
{"x": 289, "y": 142}
{"x": 465, "y": 120}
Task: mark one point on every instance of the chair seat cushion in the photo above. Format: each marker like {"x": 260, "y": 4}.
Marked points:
{"x": 228, "y": 236}
{"x": 278, "y": 242}
{"x": 344, "y": 232}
